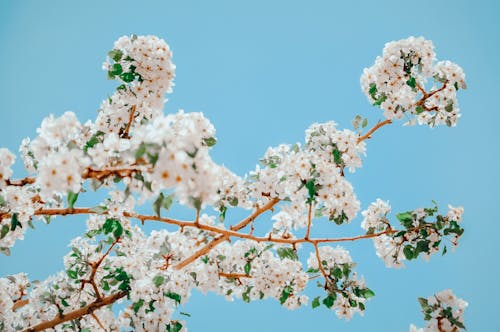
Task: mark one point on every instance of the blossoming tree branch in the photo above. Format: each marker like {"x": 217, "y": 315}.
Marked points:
{"x": 141, "y": 156}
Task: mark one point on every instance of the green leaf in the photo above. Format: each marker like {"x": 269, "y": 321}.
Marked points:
{"x": 137, "y": 305}
{"x": 373, "y": 91}
{"x": 285, "y": 294}
{"x": 14, "y": 222}
{"x": 329, "y": 300}
{"x": 367, "y": 293}
{"x": 210, "y": 141}
{"x": 64, "y": 303}
{"x": 72, "y": 274}
{"x": 449, "y": 107}
{"x": 158, "y": 280}
{"x": 315, "y": 302}
{"x": 114, "y": 226}
{"x": 412, "y": 82}
{"x": 222, "y": 215}
{"x": 311, "y": 189}
{"x": 185, "y": 314}
{"x": 233, "y": 201}
{"x": 419, "y": 109}
{"x": 247, "y": 268}
{"x": 116, "y": 69}
{"x": 174, "y": 327}
{"x": 364, "y": 123}
{"x": 140, "y": 151}
{"x": 157, "y": 204}
{"x": 455, "y": 85}
{"x": 127, "y": 77}
{"x": 380, "y": 100}
{"x": 93, "y": 141}
{"x": 337, "y": 157}
{"x": 5, "y": 251}
{"x": 405, "y": 218}
{"x": 174, "y": 296}
{"x": 72, "y": 197}
{"x": 337, "y": 272}
{"x": 289, "y": 253}
{"x": 116, "y": 55}
{"x": 408, "y": 252}
{"x": 4, "y": 231}
{"x": 246, "y": 293}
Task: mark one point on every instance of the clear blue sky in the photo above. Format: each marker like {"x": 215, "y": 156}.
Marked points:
{"x": 263, "y": 71}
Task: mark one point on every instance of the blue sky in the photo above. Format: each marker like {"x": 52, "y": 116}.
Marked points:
{"x": 263, "y": 71}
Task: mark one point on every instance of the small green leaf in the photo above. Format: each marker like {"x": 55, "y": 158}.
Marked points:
{"x": 367, "y": 293}
{"x": 174, "y": 296}
{"x": 116, "y": 55}
{"x": 364, "y": 123}
{"x": 329, "y": 300}
{"x": 4, "y": 231}
{"x": 337, "y": 157}
{"x": 287, "y": 253}
{"x": 285, "y": 294}
{"x": 137, "y": 305}
{"x": 72, "y": 274}
{"x": 140, "y": 151}
{"x": 449, "y": 107}
{"x": 174, "y": 327}
{"x": 412, "y": 82}
{"x": 158, "y": 280}
{"x": 185, "y": 314}
{"x": 408, "y": 252}
{"x": 116, "y": 69}
{"x": 14, "y": 222}
{"x": 210, "y": 141}
{"x": 247, "y": 268}
{"x": 315, "y": 302}
{"x": 72, "y": 197}
{"x": 233, "y": 201}
{"x": 127, "y": 77}
{"x": 419, "y": 109}
{"x": 157, "y": 204}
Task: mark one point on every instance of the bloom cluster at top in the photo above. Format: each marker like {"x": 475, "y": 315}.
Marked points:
{"x": 444, "y": 311}
{"x": 397, "y": 81}
{"x": 143, "y": 66}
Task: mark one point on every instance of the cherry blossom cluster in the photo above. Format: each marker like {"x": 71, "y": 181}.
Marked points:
{"x": 419, "y": 236}
{"x": 139, "y": 156}
{"x": 346, "y": 294}
{"x": 143, "y": 66}
{"x": 444, "y": 311}
{"x": 398, "y": 79}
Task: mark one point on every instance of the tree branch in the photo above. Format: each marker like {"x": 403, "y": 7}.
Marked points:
{"x": 87, "y": 310}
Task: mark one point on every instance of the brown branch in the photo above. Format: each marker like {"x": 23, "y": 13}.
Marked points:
{"x": 98, "y": 321}
{"x": 87, "y": 310}
{"x": 268, "y": 206}
{"x": 130, "y": 120}
{"x": 234, "y": 275}
{"x": 89, "y": 173}
{"x": 375, "y": 128}
{"x": 320, "y": 264}
{"x": 19, "y": 303}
